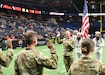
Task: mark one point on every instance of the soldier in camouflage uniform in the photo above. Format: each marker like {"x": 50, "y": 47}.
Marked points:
{"x": 86, "y": 65}
{"x": 5, "y": 60}
{"x": 30, "y": 61}
{"x": 69, "y": 45}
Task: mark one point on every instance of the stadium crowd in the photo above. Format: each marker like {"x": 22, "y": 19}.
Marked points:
{"x": 15, "y": 29}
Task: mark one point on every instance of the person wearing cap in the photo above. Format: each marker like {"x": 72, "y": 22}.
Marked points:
{"x": 78, "y": 44}
{"x": 99, "y": 43}
{"x": 32, "y": 62}
{"x": 75, "y": 34}
{"x": 69, "y": 45}
{"x": 86, "y": 65}
{"x": 89, "y": 36}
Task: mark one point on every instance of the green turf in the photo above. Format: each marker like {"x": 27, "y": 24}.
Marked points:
{"x": 59, "y": 71}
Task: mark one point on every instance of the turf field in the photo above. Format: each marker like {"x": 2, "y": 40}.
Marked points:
{"x": 59, "y": 71}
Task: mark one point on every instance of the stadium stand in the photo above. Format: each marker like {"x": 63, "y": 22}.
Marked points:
{"x": 12, "y": 27}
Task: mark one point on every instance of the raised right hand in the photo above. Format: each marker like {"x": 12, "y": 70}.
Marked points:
{"x": 9, "y": 44}
{"x": 58, "y": 35}
{"x": 49, "y": 44}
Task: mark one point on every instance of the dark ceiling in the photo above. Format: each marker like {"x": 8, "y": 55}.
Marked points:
{"x": 69, "y": 6}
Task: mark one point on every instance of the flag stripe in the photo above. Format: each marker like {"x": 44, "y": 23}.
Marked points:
{"x": 85, "y": 18}
{"x": 85, "y": 25}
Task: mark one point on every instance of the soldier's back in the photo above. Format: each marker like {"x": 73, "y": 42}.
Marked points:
{"x": 27, "y": 61}
{"x": 85, "y": 66}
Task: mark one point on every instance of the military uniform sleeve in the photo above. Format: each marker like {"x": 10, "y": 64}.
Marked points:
{"x": 72, "y": 44}
{"x": 16, "y": 68}
{"x": 69, "y": 72}
{"x": 5, "y": 60}
{"x": 47, "y": 62}
{"x": 102, "y": 70}
{"x": 59, "y": 40}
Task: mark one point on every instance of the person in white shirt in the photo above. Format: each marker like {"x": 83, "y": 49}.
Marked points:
{"x": 99, "y": 43}
{"x": 75, "y": 34}
{"x": 78, "y": 41}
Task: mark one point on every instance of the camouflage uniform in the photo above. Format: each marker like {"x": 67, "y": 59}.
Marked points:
{"x": 86, "y": 66}
{"x": 5, "y": 60}
{"x": 31, "y": 62}
{"x": 69, "y": 45}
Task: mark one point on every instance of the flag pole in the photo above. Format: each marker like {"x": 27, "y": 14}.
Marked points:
{"x": 100, "y": 18}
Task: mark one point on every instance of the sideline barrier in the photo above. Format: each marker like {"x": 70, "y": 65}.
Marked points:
{"x": 22, "y": 43}
{"x": 16, "y": 43}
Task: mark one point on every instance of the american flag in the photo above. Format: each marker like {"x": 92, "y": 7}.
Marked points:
{"x": 85, "y": 21}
